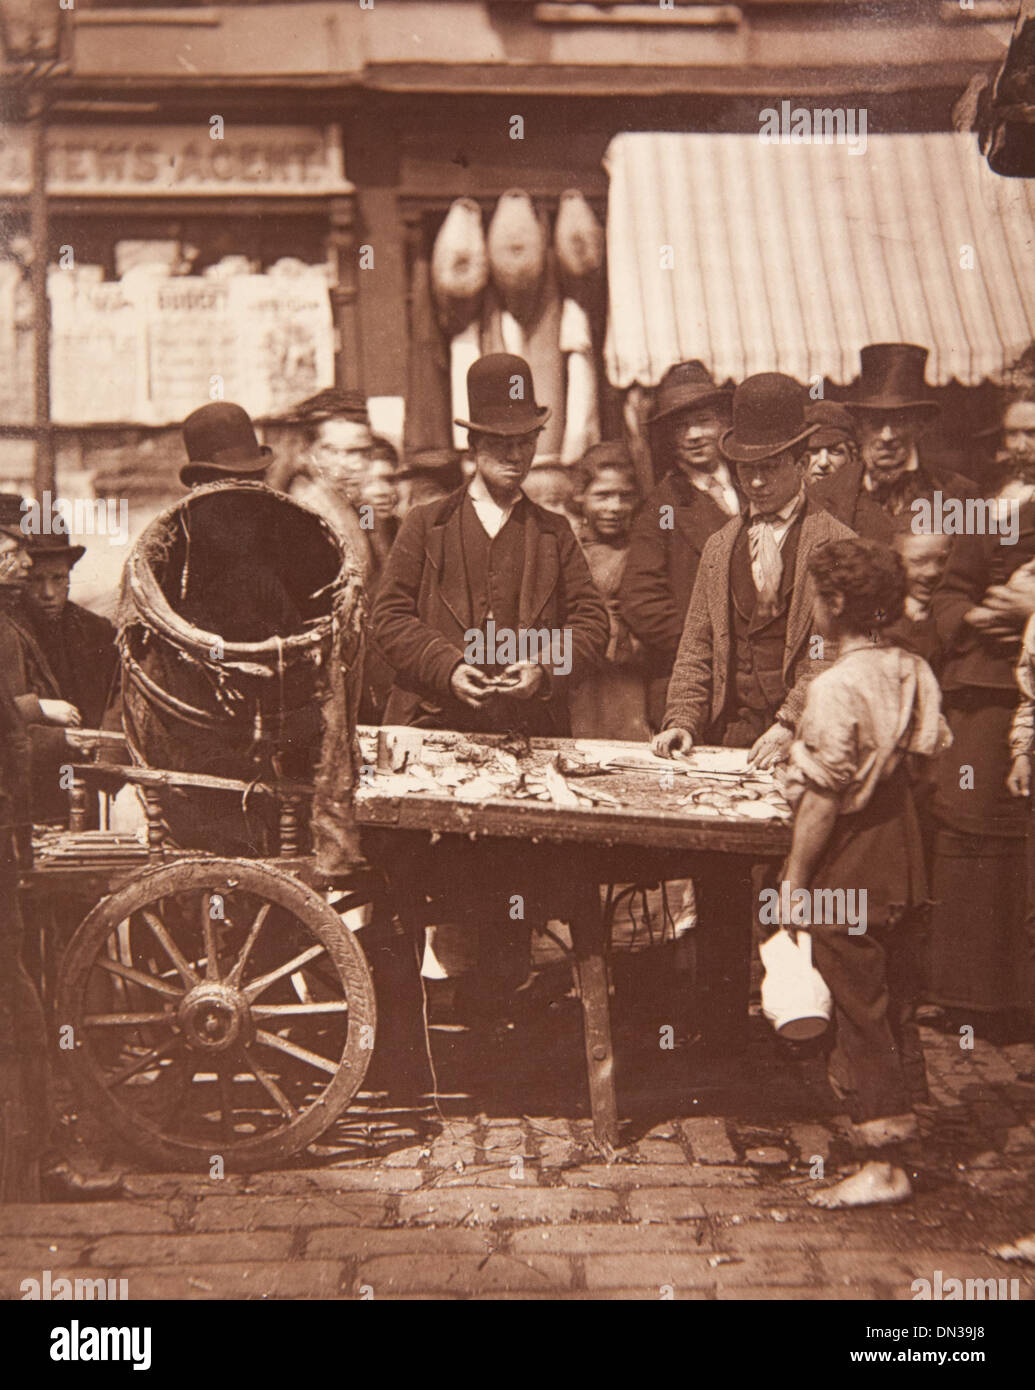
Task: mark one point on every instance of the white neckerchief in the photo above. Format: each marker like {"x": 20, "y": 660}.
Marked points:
{"x": 765, "y": 541}
{"x": 722, "y": 477}
{"x": 491, "y": 515}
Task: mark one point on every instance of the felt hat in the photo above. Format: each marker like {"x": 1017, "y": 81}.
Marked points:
{"x": 836, "y": 425}
{"x": 12, "y": 512}
{"x": 333, "y": 404}
{"x": 56, "y": 543}
{"x": 611, "y": 453}
{"x": 892, "y": 378}
{"x": 501, "y": 396}
{"x": 220, "y": 442}
{"x": 687, "y": 386}
{"x": 578, "y": 237}
{"x": 768, "y": 417}
{"x": 440, "y": 465}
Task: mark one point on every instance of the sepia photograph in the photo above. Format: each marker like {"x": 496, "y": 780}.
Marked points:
{"x": 517, "y": 669}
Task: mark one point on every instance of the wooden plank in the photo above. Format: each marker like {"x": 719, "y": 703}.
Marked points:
{"x": 587, "y": 934}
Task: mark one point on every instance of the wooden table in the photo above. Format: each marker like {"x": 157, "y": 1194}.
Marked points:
{"x": 649, "y": 836}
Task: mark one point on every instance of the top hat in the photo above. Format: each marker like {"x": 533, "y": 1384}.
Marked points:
{"x": 56, "y": 543}
{"x": 220, "y": 440}
{"x": 12, "y": 512}
{"x": 768, "y": 417}
{"x": 892, "y": 378}
{"x": 494, "y": 407}
{"x": 836, "y": 426}
{"x": 687, "y": 386}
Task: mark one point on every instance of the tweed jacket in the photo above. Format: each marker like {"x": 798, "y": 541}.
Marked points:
{"x": 699, "y": 685}
{"x": 422, "y": 611}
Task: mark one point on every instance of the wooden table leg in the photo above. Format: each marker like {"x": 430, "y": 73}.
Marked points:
{"x": 587, "y": 934}
{"x": 726, "y": 905}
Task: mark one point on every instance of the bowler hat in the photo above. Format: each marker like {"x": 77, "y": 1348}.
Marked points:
{"x": 12, "y": 511}
{"x": 836, "y": 426}
{"x": 687, "y": 386}
{"x": 892, "y": 378}
{"x": 501, "y": 396}
{"x": 768, "y": 417}
{"x": 56, "y": 543}
{"x": 220, "y": 441}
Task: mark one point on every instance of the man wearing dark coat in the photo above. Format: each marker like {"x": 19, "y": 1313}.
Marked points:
{"x": 892, "y": 410}
{"x": 486, "y": 564}
{"x": 485, "y": 556}
{"x": 79, "y": 645}
{"x": 694, "y": 499}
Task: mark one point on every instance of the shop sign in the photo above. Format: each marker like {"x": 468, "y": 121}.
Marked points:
{"x": 182, "y": 160}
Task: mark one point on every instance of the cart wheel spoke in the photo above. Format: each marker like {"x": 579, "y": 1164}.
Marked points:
{"x": 138, "y": 977}
{"x": 314, "y": 1006}
{"x": 126, "y": 1020}
{"x": 259, "y": 986}
{"x": 234, "y": 977}
{"x": 156, "y": 1054}
{"x": 293, "y": 1049}
{"x": 208, "y": 933}
{"x": 269, "y": 1085}
{"x": 186, "y": 972}
{"x": 226, "y": 1103}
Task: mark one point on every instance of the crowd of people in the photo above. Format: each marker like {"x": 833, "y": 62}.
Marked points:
{"x": 772, "y": 590}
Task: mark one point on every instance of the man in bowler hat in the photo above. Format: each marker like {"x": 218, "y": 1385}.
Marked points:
{"x": 745, "y": 658}
{"x": 695, "y": 498}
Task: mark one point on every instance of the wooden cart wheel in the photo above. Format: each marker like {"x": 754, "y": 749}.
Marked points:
{"x": 219, "y": 1008}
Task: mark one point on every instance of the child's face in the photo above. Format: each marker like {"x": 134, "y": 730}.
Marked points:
{"x": 924, "y": 558}
{"x": 608, "y": 504}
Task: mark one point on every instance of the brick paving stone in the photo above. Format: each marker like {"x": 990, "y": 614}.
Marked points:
{"x": 812, "y": 1141}
{"x": 650, "y": 1272}
{"x": 555, "y": 1153}
{"x": 667, "y": 1204}
{"x": 626, "y": 1175}
{"x": 499, "y": 1175}
{"x": 767, "y": 1156}
{"x": 388, "y": 1274}
{"x": 660, "y": 1151}
{"x": 709, "y": 1142}
{"x": 447, "y": 1154}
{"x": 82, "y": 1218}
{"x": 713, "y": 1201}
{"x": 782, "y": 1293}
{"x": 474, "y": 1206}
{"x": 229, "y": 1247}
{"x": 321, "y": 1209}
{"x": 40, "y": 1252}
{"x": 763, "y": 1267}
{"x": 407, "y": 1158}
{"x": 506, "y": 1140}
{"x": 346, "y": 1243}
{"x": 299, "y": 1279}
{"x": 860, "y": 1268}
{"x": 582, "y": 1239}
{"x": 1021, "y": 1056}
{"x": 1019, "y": 1139}
{"x": 790, "y": 1235}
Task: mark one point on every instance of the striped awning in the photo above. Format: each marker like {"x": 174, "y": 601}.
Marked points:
{"x": 764, "y": 257}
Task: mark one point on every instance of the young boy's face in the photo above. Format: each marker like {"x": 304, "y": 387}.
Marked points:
{"x": 924, "y": 558}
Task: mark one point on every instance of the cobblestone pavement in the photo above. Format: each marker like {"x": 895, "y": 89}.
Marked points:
{"x": 506, "y": 1202}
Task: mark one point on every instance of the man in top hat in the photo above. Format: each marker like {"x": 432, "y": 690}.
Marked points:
{"x": 487, "y": 555}
{"x": 486, "y": 566}
{"x": 696, "y": 497}
{"x": 744, "y": 662}
{"x": 78, "y": 644}
{"x": 892, "y": 410}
